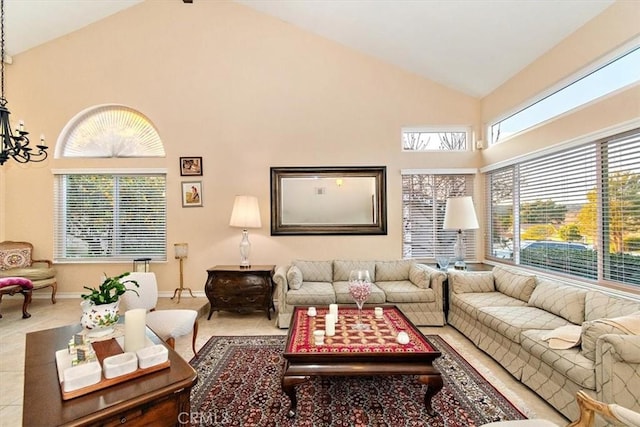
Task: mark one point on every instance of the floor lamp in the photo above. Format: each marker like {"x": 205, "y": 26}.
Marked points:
{"x": 181, "y": 252}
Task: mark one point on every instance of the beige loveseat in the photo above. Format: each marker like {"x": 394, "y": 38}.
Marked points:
{"x": 554, "y": 337}
{"x": 414, "y": 288}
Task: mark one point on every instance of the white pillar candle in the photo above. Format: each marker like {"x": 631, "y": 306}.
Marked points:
{"x": 333, "y": 309}
{"x": 329, "y": 325}
{"x": 135, "y": 329}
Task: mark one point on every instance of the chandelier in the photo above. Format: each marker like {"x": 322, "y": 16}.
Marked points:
{"x": 14, "y": 146}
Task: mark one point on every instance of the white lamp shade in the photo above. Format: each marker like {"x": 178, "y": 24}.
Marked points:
{"x": 181, "y": 250}
{"x": 245, "y": 213}
{"x": 460, "y": 214}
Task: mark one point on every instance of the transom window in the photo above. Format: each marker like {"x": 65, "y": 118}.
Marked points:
{"x": 454, "y": 138}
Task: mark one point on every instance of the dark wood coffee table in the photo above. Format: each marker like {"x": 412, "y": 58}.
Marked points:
{"x": 357, "y": 353}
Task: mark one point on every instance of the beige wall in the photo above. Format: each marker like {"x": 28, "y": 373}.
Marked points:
{"x": 247, "y": 92}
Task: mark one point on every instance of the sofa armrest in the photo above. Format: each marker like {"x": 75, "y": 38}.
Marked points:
{"x": 280, "y": 278}
{"x": 618, "y": 370}
{"x": 437, "y": 279}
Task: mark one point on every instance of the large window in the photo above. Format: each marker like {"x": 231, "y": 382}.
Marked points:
{"x": 424, "y": 198}
{"x": 114, "y": 216}
{"x": 576, "y": 212}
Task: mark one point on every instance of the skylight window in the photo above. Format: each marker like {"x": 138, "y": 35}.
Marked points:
{"x": 621, "y": 72}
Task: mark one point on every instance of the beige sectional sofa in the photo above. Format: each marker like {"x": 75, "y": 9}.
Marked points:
{"x": 554, "y": 337}
{"x": 414, "y": 288}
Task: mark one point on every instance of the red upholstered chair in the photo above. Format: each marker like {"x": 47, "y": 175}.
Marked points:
{"x": 16, "y": 260}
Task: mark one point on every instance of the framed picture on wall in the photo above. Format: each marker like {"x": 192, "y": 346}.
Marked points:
{"x": 191, "y": 194}
{"x": 191, "y": 166}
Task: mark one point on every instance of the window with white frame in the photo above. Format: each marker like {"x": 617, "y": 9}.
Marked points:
{"x": 455, "y": 138}
{"x": 424, "y": 198}
{"x": 110, "y": 216}
{"x": 585, "y": 87}
{"x": 574, "y": 212}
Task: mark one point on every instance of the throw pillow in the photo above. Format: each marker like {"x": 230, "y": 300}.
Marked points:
{"x": 463, "y": 282}
{"x": 15, "y": 281}
{"x": 315, "y": 271}
{"x": 514, "y": 283}
{"x": 419, "y": 276}
{"x": 15, "y": 258}
{"x": 562, "y": 300}
{"x": 294, "y": 277}
{"x": 393, "y": 270}
{"x": 593, "y": 329}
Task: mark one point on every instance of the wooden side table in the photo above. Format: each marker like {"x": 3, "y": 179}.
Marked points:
{"x": 232, "y": 288}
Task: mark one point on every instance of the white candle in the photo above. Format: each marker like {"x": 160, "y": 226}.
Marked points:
{"x": 378, "y": 312}
{"x": 135, "y": 329}
{"x": 311, "y": 311}
{"x": 318, "y": 336}
{"x": 333, "y": 309}
{"x": 329, "y": 325}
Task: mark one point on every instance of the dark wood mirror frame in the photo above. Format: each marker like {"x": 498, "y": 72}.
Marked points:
{"x": 377, "y": 212}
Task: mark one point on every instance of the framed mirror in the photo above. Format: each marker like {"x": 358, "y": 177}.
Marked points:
{"x": 328, "y": 200}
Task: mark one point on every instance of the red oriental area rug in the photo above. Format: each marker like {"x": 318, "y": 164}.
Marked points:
{"x": 239, "y": 384}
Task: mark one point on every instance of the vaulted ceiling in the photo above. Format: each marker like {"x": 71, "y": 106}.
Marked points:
{"x": 470, "y": 45}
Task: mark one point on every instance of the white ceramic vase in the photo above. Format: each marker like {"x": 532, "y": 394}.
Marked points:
{"x": 99, "y": 319}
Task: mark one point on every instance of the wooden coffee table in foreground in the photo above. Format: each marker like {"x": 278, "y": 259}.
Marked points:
{"x": 357, "y": 353}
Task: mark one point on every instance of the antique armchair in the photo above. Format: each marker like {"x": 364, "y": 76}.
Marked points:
{"x": 16, "y": 260}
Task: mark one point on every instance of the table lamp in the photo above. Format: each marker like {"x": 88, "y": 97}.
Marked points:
{"x": 181, "y": 252}
{"x": 460, "y": 215}
{"x": 245, "y": 215}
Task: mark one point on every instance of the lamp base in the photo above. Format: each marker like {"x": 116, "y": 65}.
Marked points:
{"x": 178, "y": 292}
{"x": 460, "y": 265}
{"x": 245, "y": 248}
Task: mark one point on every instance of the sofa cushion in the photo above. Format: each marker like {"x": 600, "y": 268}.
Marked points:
{"x": 562, "y": 300}
{"x": 342, "y": 269}
{"x": 598, "y": 305}
{"x": 294, "y": 277}
{"x": 514, "y": 283}
{"x": 593, "y": 329}
{"x": 312, "y": 293}
{"x": 570, "y": 362}
{"x": 464, "y": 282}
{"x": 31, "y": 273}
{"x": 511, "y": 321}
{"x": 15, "y": 258}
{"x": 405, "y": 291}
{"x": 471, "y": 302}
{"x": 343, "y": 296}
{"x": 393, "y": 270}
{"x": 420, "y": 276}
{"x": 315, "y": 271}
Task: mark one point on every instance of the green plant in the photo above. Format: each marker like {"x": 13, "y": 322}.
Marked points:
{"x": 110, "y": 290}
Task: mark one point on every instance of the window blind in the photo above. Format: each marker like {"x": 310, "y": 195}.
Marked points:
{"x": 114, "y": 217}
{"x": 576, "y": 212}
{"x": 424, "y": 198}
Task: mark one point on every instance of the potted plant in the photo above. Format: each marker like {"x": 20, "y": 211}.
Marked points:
{"x": 100, "y": 307}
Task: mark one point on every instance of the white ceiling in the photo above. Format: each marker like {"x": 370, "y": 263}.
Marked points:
{"x": 470, "y": 45}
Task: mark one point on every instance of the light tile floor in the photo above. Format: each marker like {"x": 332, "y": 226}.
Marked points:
{"x": 45, "y": 315}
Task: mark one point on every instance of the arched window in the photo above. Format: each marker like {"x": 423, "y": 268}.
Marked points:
{"x": 109, "y": 131}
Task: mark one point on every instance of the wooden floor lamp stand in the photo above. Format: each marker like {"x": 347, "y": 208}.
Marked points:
{"x": 179, "y": 290}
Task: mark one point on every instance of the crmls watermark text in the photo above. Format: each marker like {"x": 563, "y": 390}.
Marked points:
{"x": 208, "y": 418}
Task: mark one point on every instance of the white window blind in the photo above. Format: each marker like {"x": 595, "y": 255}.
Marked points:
{"x": 110, "y": 217}
{"x": 575, "y": 212}
{"x": 424, "y": 198}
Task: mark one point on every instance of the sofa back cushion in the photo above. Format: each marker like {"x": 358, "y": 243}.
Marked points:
{"x": 593, "y": 329}
{"x": 342, "y": 268}
{"x": 598, "y": 305}
{"x": 471, "y": 282}
{"x": 315, "y": 271}
{"x": 562, "y": 300}
{"x": 514, "y": 283}
{"x": 393, "y": 270}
